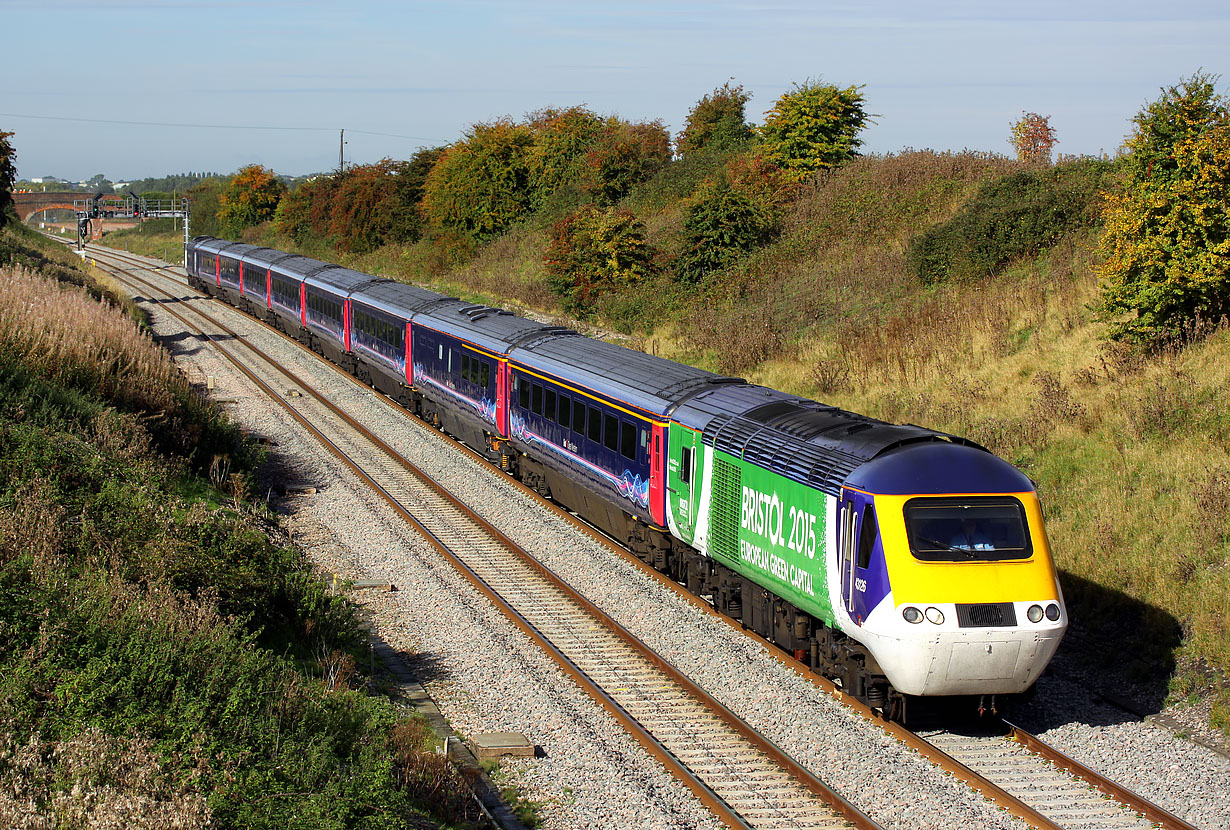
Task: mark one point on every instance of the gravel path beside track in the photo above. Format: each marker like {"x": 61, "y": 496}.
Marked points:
{"x": 486, "y": 677}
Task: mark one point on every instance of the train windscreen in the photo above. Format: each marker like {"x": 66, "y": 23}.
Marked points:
{"x": 968, "y": 529}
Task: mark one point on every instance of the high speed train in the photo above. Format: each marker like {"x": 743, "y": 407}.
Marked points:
{"x": 899, "y": 560}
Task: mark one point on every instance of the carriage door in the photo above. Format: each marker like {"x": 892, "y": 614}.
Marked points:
{"x": 846, "y": 552}
{"x": 682, "y": 475}
{"x": 861, "y": 571}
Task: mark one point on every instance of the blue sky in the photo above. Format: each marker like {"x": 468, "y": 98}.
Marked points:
{"x": 396, "y": 76}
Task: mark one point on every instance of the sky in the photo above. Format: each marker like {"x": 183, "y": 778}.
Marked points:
{"x": 145, "y": 88}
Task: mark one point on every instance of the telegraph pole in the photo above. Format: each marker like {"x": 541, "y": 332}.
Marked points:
{"x": 341, "y": 152}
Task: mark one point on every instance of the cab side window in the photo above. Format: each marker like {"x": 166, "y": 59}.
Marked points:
{"x": 867, "y": 537}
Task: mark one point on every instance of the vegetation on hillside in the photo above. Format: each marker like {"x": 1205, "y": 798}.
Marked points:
{"x": 1167, "y": 238}
{"x": 814, "y": 127}
{"x": 251, "y": 197}
{"x": 162, "y": 662}
{"x": 717, "y": 122}
{"x": 1067, "y": 316}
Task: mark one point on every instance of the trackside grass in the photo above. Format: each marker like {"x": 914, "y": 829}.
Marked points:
{"x": 162, "y": 662}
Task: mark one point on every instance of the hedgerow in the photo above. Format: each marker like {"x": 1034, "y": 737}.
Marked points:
{"x": 1018, "y": 215}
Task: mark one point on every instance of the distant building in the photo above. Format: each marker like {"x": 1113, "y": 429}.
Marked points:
{"x": 44, "y": 180}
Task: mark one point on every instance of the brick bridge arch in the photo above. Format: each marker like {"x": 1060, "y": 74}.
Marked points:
{"x": 28, "y": 204}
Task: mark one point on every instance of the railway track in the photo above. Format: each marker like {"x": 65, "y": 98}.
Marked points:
{"x": 1013, "y": 769}
{"x": 743, "y": 778}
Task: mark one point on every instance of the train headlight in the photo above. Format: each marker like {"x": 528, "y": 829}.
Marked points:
{"x": 1052, "y": 612}
{"x": 912, "y": 614}
{"x": 1034, "y": 613}
{"x": 935, "y": 615}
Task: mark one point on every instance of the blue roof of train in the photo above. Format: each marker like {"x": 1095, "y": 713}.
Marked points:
{"x": 397, "y": 298}
{"x": 341, "y": 281}
{"x": 937, "y": 467}
{"x": 493, "y": 329}
{"x": 649, "y": 383}
{"x": 265, "y": 257}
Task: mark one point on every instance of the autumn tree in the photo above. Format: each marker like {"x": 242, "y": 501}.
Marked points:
{"x": 596, "y": 251}
{"x": 813, "y": 127}
{"x": 562, "y": 140}
{"x": 480, "y": 184}
{"x": 716, "y": 120}
{"x": 1166, "y": 246}
{"x": 626, "y": 155}
{"x": 8, "y": 175}
{"x": 251, "y": 198}
{"x": 1033, "y": 137}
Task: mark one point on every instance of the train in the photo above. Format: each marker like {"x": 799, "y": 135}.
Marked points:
{"x": 900, "y": 561}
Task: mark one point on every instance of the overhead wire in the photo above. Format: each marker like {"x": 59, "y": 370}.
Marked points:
{"x": 206, "y": 126}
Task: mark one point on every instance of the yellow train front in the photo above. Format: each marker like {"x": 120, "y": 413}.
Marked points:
{"x": 946, "y": 575}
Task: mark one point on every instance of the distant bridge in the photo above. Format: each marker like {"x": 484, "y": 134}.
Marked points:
{"x": 28, "y": 204}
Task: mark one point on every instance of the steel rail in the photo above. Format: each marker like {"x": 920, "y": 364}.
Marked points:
{"x": 657, "y": 750}
{"x": 1122, "y": 794}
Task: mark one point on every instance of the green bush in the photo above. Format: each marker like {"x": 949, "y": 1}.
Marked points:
{"x": 593, "y": 252}
{"x": 734, "y": 213}
{"x": 204, "y": 201}
{"x": 1015, "y": 216}
{"x": 813, "y": 127}
{"x": 481, "y": 184}
{"x": 1166, "y": 259}
{"x": 8, "y": 174}
{"x": 717, "y": 120}
{"x": 626, "y": 155}
{"x": 562, "y": 140}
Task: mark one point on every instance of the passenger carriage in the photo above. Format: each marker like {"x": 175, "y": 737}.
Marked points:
{"x": 591, "y": 419}
{"x": 460, "y": 354}
{"x": 381, "y": 338}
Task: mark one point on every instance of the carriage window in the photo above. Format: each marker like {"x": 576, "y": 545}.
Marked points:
{"x": 610, "y": 432}
{"x": 627, "y": 440}
{"x": 523, "y": 392}
{"x": 548, "y": 404}
{"x": 867, "y": 537}
{"x": 536, "y": 407}
{"x": 685, "y": 465}
{"x": 440, "y": 355}
{"x": 564, "y": 416}
{"x": 595, "y": 424}
{"x": 465, "y": 365}
{"x": 578, "y": 416}
{"x": 484, "y": 375}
